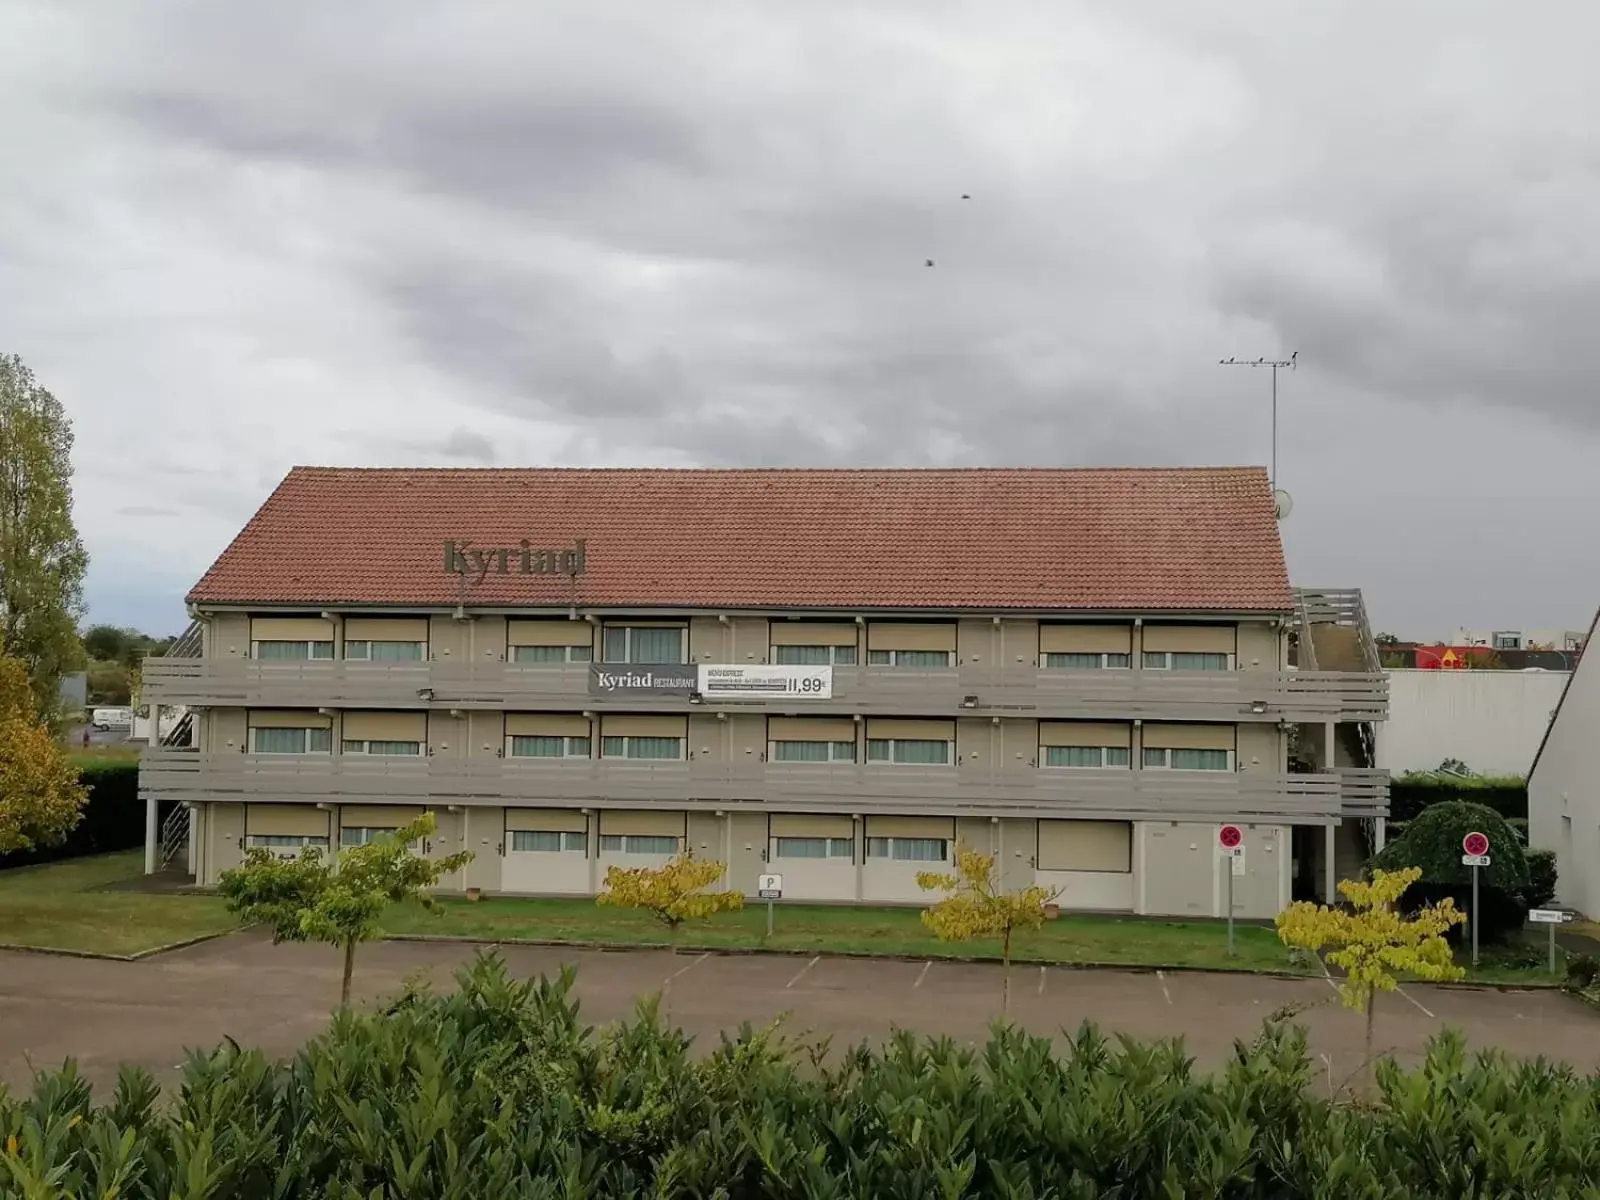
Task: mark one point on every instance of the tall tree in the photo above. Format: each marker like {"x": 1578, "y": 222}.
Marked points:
{"x": 41, "y": 798}
{"x": 42, "y": 560}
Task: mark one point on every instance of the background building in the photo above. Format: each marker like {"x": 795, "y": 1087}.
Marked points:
{"x": 1564, "y": 792}
{"x": 1493, "y": 721}
{"x": 832, "y": 674}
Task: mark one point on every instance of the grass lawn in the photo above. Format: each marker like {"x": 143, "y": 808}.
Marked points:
{"x": 120, "y": 752}
{"x": 1070, "y": 939}
{"x": 56, "y": 906}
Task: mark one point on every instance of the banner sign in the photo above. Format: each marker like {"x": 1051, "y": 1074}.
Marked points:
{"x": 618, "y": 679}
{"x": 763, "y": 682}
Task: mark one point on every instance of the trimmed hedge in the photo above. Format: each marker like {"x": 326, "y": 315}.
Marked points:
{"x": 498, "y": 1090}
{"x": 113, "y": 818}
{"x": 1411, "y": 793}
{"x": 1432, "y": 841}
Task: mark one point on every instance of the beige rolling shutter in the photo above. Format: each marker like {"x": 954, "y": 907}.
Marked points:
{"x": 1086, "y": 846}
{"x": 621, "y": 726}
{"x": 911, "y": 637}
{"x": 802, "y": 825}
{"x": 386, "y": 629}
{"x": 639, "y": 821}
{"x": 547, "y": 725}
{"x": 555, "y": 820}
{"x": 1188, "y": 737}
{"x": 1084, "y": 733}
{"x": 912, "y": 827}
{"x": 1204, "y": 639}
{"x": 384, "y": 727}
{"x": 288, "y": 820}
{"x": 289, "y": 718}
{"x": 377, "y": 816}
{"x": 811, "y": 729}
{"x": 1085, "y": 639}
{"x": 549, "y": 633}
{"x": 929, "y": 731}
{"x": 813, "y": 633}
{"x": 291, "y": 629}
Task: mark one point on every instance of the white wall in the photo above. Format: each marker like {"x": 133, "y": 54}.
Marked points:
{"x": 1564, "y": 793}
{"x": 1490, "y": 720}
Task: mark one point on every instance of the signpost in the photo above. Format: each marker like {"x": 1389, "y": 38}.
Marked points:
{"x": 1230, "y": 839}
{"x": 1475, "y": 854}
{"x": 1551, "y": 917}
{"x": 769, "y": 888}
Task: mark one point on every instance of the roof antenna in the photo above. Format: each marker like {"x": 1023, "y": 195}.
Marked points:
{"x": 1282, "y": 502}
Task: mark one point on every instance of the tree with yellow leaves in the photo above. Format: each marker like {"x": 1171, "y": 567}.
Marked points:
{"x": 978, "y": 907}
{"x": 41, "y": 798}
{"x": 1372, "y": 941}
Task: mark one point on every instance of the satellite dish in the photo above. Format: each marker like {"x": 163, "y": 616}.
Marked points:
{"x": 1282, "y": 503}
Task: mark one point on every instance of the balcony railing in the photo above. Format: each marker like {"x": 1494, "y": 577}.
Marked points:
{"x": 176, "y": 775}
{"x": 1022, "y": 691}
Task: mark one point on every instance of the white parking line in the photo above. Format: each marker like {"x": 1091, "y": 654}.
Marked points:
{"x": 1163, "y": 981}
{"x": 800, "y": 974}
{"x": 923, "y": 974}
{"x": 688, "y": 966}
{"x": 1414, "y": 1000}
{"x": 1041, "y": 981}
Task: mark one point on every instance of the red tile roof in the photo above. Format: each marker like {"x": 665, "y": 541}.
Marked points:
{"x": 1190, "y": 539}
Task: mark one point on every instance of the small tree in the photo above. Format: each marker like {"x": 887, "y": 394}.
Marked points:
{"x": 1371, "y": 941}
{"x": 41, "y": 796}
{"x": 337, "y": 898}
{"x": 672, "y": 893}
{"x": 977, "y": 907}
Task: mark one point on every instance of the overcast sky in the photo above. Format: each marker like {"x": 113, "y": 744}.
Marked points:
{"x": 237, "y": 237}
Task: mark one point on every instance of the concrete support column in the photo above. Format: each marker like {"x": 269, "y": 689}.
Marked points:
{"x": 1330, "y": 881}
{"x": 1380, "y": 833}
{"x": 152, "y": 836}
{"x": 1330, "y": 754}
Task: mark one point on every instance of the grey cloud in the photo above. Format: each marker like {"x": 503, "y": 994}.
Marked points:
{"x": 146, "y": 510}
{"x": 474, "y": 447}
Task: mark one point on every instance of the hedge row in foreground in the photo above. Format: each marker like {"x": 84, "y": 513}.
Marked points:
{"x": 499, "y": 1091}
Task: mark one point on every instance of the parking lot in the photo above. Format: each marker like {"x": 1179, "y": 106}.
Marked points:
{"x": 276, "y": 997}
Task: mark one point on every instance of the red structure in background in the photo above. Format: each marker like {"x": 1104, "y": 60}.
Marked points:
{"x": 1447, "y": 658}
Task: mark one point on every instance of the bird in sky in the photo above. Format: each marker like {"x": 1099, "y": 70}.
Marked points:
{"x": 930, "y": 262}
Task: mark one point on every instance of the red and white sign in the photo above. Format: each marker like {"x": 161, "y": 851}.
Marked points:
{"x": 1475, "y": 844}
{"x": 1230, "y": 837}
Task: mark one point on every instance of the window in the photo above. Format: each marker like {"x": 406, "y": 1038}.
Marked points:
{"x": 1188, "y": 760}
{"x": 641, "y": 747}
{"x": 552, "y": 654}
{"x": 908, "y": 751}
{"x": 1089, "y": 662}
{"x": 291, "y": 741}
{"x": 814, "y": 752}
{"x": 924, "y": 659}
{"x": 643, "y": 644}
{"x": 814, "y": 656}
{"x": 286, "y": 841}
{"x": 814, "y": 847}
{"x": 1181, "y": 660}
{"x": 291, "y": 651}
{"x": 902, "y": 849}
{"x": 1086, "y": 756}
{"x": 368, "y": 651}
{"x": 543, "y": 746}
{"x": 363, "y": 835}
{"x": 1508, "y": 639}
{"x": 548, "y": 840}
{"x": 637, "y": 843}
{"x": 370, "y": 746}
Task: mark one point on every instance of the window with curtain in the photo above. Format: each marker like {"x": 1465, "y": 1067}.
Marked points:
{"x": 814, "y": 656}
{"x": 370, "y": 746}
{"x": 813, "y": 847}
{"x": 909, "y": 751}
{"x": 292, "y": 651}
{"x": 903, "y": 849}
{"x": 549, "y": 841}
{"x": 1178, "y": 660}
{"x": 291, "y": 741}
{"x": 370, "y": 651}
{"x": 643, "y": 644}
{"x": 924, "y": 659}
{"x": 1086, "y": 756}
{"x": 363, "y": 835}
{"x": 1188, "y": 760}
{"x": 813, "y": 752}
{"x": 1089, "y": 662}
{"x": 641, "y": 747}
{"x": 285, "y": 841}
{"x": 543, "y": 746}
{"x": 637, "y": 843}
{"x": 551, "y": 654}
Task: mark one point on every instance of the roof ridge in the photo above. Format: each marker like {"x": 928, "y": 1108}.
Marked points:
{"x": 1243, "y": 469}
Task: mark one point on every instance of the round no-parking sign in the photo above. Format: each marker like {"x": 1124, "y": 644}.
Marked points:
{"x": 1230, "y": 837}
{"x": 1475, "y": 844}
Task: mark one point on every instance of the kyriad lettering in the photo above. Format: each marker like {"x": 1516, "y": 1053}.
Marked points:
{"x": 461, "y": 557}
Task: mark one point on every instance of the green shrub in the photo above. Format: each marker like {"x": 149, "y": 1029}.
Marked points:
{"x": 498, "y": 1090}
{"x": 1432, "y": 841}
{"x": 1415, "y": 791}
{"x": 1542, "y": 880}
{"x": 1583, "y": 971}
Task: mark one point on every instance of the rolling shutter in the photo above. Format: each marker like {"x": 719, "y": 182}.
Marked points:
{"x": 1086, "y": 639}
{"x": 1203, "y": 639}
{"x": 1188, "y": 737}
